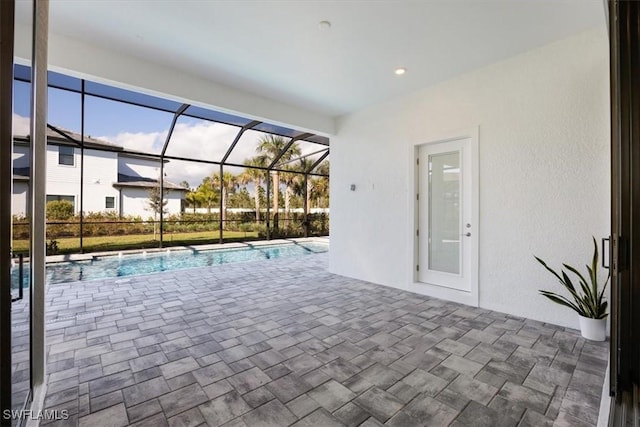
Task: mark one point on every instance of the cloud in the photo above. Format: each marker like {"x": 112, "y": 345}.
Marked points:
{"x": 201, "y": 140}
{"x": 144, "y": 142}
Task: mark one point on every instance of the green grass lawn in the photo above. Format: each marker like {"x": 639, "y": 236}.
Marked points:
{"x": 139, "y": 241}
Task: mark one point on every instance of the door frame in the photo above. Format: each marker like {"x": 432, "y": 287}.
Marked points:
{"x": 7, "y": 9}
{"x": 471, "y": 298}
{"x": 624, "y": 250}
{"x": 426, "y": 240}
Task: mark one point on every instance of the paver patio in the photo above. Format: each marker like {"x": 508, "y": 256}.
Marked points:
{"x": 284, "y": 342}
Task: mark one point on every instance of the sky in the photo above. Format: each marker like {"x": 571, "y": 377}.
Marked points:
{"x": 144, "y": 129}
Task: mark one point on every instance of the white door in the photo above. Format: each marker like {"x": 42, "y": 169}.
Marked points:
{"x": 445, "y": 203}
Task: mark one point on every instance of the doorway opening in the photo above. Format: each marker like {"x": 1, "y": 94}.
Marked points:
{"x": 446, "y": 235}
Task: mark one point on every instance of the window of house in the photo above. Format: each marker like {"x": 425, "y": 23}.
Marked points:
{"x": 109, "y": 202}
{"x": 56, "y": 197}
{"x": 65, "y": 155}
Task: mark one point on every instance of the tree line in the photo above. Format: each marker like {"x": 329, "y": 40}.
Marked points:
{"x": 290, "y": 185}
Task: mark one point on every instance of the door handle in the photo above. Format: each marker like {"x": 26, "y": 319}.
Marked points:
{"x": 467, "y": 234}
{"x": 20, "y": 278}
{"x": 605, "y": 253}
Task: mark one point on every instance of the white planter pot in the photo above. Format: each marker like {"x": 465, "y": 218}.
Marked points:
{"x": 593, "y": 329}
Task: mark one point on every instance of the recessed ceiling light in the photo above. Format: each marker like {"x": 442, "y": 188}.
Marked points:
{"x": 400, "y": 71}
{"x": 324, "y": 25}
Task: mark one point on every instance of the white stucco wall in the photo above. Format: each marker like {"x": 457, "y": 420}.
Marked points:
{"x": 19, "y": 198}
{"x": 63, "y": 180}
{"x": 136, "y": 166}
{"x": 19, "y": 205}
{"x": 100, "y": 172}
{"x": 543, "y": 119}
{"x": 135, "y": 201}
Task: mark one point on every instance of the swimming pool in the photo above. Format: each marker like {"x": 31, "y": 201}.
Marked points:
{"x": 102, "y": 267}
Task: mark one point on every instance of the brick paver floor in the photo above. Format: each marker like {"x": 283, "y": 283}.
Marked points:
{"x": 285, "y": 342}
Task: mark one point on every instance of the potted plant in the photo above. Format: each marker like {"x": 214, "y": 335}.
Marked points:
{"x": 588, "y": 299}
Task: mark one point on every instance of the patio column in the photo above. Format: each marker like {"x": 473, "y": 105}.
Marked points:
{"x": 7, "y": 12}
{"x": 38, "y": 175}
{"x": 306, "y": 204}
{"x": 221, "y": 216}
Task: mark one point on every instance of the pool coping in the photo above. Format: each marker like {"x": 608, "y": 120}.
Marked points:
{"x": 53, "y": 259}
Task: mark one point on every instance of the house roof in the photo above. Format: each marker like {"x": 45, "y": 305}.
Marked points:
{"x": 55, "y": 138}
{"x": 21, "y": 171}
{"x": 21, "y": 174}
{"x": 143, "y": 182}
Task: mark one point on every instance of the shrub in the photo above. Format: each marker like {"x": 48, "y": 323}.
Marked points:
{"x": 59, "y": 210}
{"x": 319, "y": 224}
{"x": 246, "y": 227}
{"x": 261, "y": 229}
{"x": 21, "y": 228}
{"x": 52, "y": 247}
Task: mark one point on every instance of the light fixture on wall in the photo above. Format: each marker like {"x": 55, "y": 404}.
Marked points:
{"x": 352, "y": 187}
{"x": 400, "y": 71}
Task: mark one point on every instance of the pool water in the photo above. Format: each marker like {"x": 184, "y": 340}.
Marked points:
{"x": 136, "y": 264}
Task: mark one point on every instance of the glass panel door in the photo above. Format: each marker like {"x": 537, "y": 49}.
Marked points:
{"x": 444, "y": 212}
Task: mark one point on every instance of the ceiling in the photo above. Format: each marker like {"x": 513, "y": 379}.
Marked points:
{"x": 275, "y": 49}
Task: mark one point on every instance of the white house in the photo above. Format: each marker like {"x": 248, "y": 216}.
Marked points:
{"x": 114, "y": 181}
{"x": 134, "y": 184}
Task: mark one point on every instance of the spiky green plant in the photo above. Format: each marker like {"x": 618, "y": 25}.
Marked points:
{"x": 588, "y": 301}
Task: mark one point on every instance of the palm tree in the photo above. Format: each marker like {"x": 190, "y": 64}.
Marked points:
{"x": 323, "y": 168}
{"x": 255, "y": 176}
{"x": 228, "y": 185}
{"x": 193, "y": 198}
{"x": 289, "y": 180}
{"x": 206, "y": 194}
{"x": 270, "y": 147}
{"x": 303, "y": 166}
{"x": 320, "y": 188}
{"x": 321, "y": 185}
